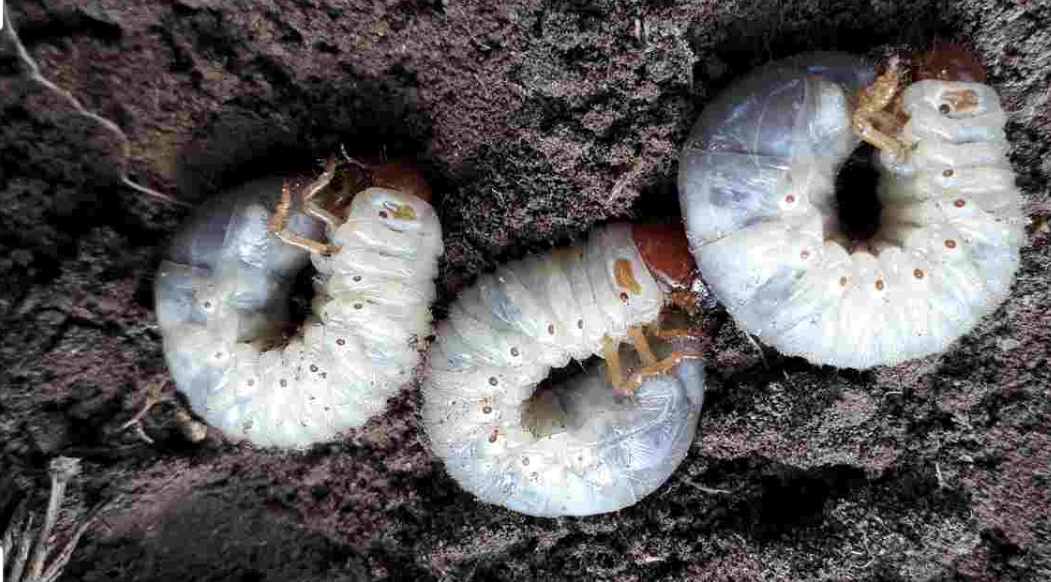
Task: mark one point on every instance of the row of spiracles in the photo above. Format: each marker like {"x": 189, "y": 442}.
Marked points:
{"x": 757, "y": 190}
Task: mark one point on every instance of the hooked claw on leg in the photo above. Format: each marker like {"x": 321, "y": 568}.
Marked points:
{"x": 278, "y": 222}
{"x": 872, "y": 102}
{"x": 651, "y": 364}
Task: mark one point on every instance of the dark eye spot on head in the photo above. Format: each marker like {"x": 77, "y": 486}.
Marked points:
{"x": 944, "y": 109}
{"x": 313, "y": 368}
{"x": 623, "y": 296}
{"x": 551, "y": 329}
{"x": 357, "y": 278}
{"x": 340, "y": 342}
{"x": 284, "y": 383}
{"x": 493, "y": 381}
{"x": 580, "y": 324}
{"x": 383, "y": 214}
{"x": 358, "y": 306}
{"x": 514, "y": 352}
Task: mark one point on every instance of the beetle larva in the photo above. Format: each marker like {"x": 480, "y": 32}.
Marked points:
{"x": 757, "y": 189}
{"x": 579, "y": 449}
{"x": 223, "y": 303}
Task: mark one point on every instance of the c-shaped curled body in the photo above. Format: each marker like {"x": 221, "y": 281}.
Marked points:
{"x": 757, "y": 191}
{"x": 578, "y": 449}
{"x": 223, "y": 301}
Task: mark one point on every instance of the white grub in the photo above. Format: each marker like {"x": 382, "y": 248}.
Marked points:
{"x": 223, "y": 303}
{"x": 757, "y": 189}
{"x": 581, "y": 448}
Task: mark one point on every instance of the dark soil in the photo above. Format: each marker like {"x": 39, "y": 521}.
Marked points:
{"x": 535, "y": 121}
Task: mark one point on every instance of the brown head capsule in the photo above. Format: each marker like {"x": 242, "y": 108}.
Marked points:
{"x": 402, "y": 176}
{"x": 946, "y": 61}
{"x": 665, "y": 250}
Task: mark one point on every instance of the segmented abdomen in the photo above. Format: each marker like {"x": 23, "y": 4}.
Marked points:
{"x": 572, "y": 450}
{"x": 757, "y": 187}
{"x": 222, "y": 302}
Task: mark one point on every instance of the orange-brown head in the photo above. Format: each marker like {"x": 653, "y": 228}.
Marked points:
{"x": 665, "y": 250}
{"x": 402, "y": 176}
{"x": 946, "y": 61}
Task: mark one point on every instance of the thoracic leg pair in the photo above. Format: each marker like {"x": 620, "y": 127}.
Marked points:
{"x": 651, "y": 364}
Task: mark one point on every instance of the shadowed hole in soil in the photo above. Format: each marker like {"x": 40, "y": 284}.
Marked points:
{"x": 797, "y": 498}
{"x": 858, "y": 206}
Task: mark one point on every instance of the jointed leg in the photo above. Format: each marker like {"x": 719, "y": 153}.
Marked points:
{"x": 873, "y": 100}
{"x": 278, "y": 224}
{"x": 312, "y": 207}
{"x": 612, "y": 357}
{"x": 651, "y": 365}
{"x": 642, "y": 345}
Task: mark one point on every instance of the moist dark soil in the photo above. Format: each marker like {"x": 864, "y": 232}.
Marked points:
{"x": 534, "y": 121}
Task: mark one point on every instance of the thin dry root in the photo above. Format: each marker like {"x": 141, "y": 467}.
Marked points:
{"x": 113, "y": 128}
{"x": 872, "y": 102}
{"x": 192, "y": 430}
{"x": 153, "y": 397}
{"x": 29, "y": 556}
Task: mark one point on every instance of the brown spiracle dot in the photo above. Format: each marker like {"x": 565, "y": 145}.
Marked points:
{"x": 948, "y": 173}
{"x": 949, "y": 243}
{"x": 879, "y": 284}
{"x": 340, "y": 342}
{"x": 918, "y": 273}
{"x": 487, "y": 410}
{"x": 842, "y": 281}
{"x": 959, "y": 203}
{"x": 493, "y": 381}
{"x": 551, "y": 329}
{"x": 383, "y": 214}
{"x": 623, "y": 296}
{"x": 514, "y": 352}
{"x": 944, "y": 109}
{"x": 313, "y": 368}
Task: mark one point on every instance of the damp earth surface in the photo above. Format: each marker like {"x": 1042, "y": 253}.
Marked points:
{"x": 534, "y": 121}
